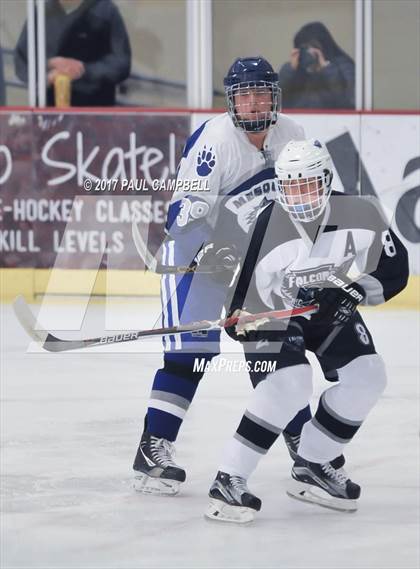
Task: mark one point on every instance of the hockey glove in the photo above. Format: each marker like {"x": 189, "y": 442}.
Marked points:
{"x": 212, "y": 254}
{"x": 244, "y": 331}
{"x": 338, "y": 304}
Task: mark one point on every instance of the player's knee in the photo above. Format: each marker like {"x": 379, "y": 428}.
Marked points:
{"x": 366, "y": 374}
{"x": 187, "y": 366}
{"x": 293, "y": 383}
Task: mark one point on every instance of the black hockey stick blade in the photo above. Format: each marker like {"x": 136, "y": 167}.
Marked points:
{"x": 156, "y": 267}
{"x": 52, "y": 343}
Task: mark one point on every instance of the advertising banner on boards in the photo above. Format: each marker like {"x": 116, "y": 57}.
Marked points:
{"x": 71, "y": 183}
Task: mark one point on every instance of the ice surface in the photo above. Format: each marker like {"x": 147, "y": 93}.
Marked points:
{"x": 70, "y": 428}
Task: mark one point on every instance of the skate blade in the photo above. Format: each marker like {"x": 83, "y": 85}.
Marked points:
{"x": 222, "y": 512}
{"x": 315, "y": 495}
{"x": 155, "y": 486}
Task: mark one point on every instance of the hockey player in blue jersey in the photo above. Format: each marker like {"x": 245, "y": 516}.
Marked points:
{"x": 314, "y": 247}
{"x": 233, "y": 155}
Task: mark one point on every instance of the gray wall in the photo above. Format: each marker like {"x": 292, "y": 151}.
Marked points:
{"x": 396, "y": 54}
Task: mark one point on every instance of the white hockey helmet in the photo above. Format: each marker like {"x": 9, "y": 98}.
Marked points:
{"x": 304, "y": 172}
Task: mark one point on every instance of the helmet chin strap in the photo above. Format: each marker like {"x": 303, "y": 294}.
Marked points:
{"x": 256, "y": 129}
{"x": 256, "y": 126}
{"x": 300, "y": 207}
{"x": 299, "y": 210}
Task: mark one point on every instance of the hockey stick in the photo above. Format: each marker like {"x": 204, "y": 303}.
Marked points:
{"x": 156, "y": 267}
{"x": 54, "y": 344}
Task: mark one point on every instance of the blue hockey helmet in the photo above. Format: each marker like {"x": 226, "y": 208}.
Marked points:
{"x": 252, "y": 75}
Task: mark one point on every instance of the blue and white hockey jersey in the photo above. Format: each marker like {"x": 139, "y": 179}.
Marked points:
{"x": 234, "y": 176}
{"x": 232, "y": 171}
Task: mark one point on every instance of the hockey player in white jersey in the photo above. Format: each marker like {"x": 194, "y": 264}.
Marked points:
{"x": 313, "y": 247}
{"x": 232, "y": 155}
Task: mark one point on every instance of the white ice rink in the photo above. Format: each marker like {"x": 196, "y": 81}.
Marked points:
{"x": 70, "y": 429}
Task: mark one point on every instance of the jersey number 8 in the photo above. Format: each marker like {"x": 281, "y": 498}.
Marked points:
{"x": 362, "y": 334}
{"x": 388, "y": 244}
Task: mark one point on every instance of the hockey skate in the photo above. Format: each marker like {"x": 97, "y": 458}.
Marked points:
{"x": 155, "y": 471}
{"x": 324, "y": 485}
{"x": 231, "y": 500}
{"x": 292, "y": 443}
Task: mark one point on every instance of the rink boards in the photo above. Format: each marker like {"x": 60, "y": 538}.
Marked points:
{"x": 51, "y": 220}
{"x": 33, "y": 283}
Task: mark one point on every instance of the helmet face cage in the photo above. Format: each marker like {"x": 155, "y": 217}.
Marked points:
{"x": 305, "y": 199}
{"x": 264, "y": 111}
{"x": 304, "y": 173}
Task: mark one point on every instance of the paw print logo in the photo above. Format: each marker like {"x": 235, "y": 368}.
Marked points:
{"x": 206, "y": 161}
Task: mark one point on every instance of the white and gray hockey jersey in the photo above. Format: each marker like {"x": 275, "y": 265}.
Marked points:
{"x": 351, "y": 240}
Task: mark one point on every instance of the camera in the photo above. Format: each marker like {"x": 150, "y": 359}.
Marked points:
{"x": 306, "y": 59}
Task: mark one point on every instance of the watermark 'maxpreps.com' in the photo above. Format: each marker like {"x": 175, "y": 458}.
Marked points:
{"x": 226, "y": 365}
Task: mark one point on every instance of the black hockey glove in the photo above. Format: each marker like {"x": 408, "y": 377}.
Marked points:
{"x": 244, "y": 331}
{"x": 212, "y": 254}
{"x": 337, "y": 304}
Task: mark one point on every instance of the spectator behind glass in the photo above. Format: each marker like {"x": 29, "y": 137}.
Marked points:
{"x": 86, "y": 40}
{"x": 320, "y": 75}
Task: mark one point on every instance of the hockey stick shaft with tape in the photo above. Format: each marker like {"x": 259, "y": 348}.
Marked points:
{"x": 155, "y": 266}
{"x": 52, "y": 343}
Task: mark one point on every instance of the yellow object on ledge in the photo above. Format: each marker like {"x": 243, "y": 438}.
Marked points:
{"x": 62, "y": 90}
